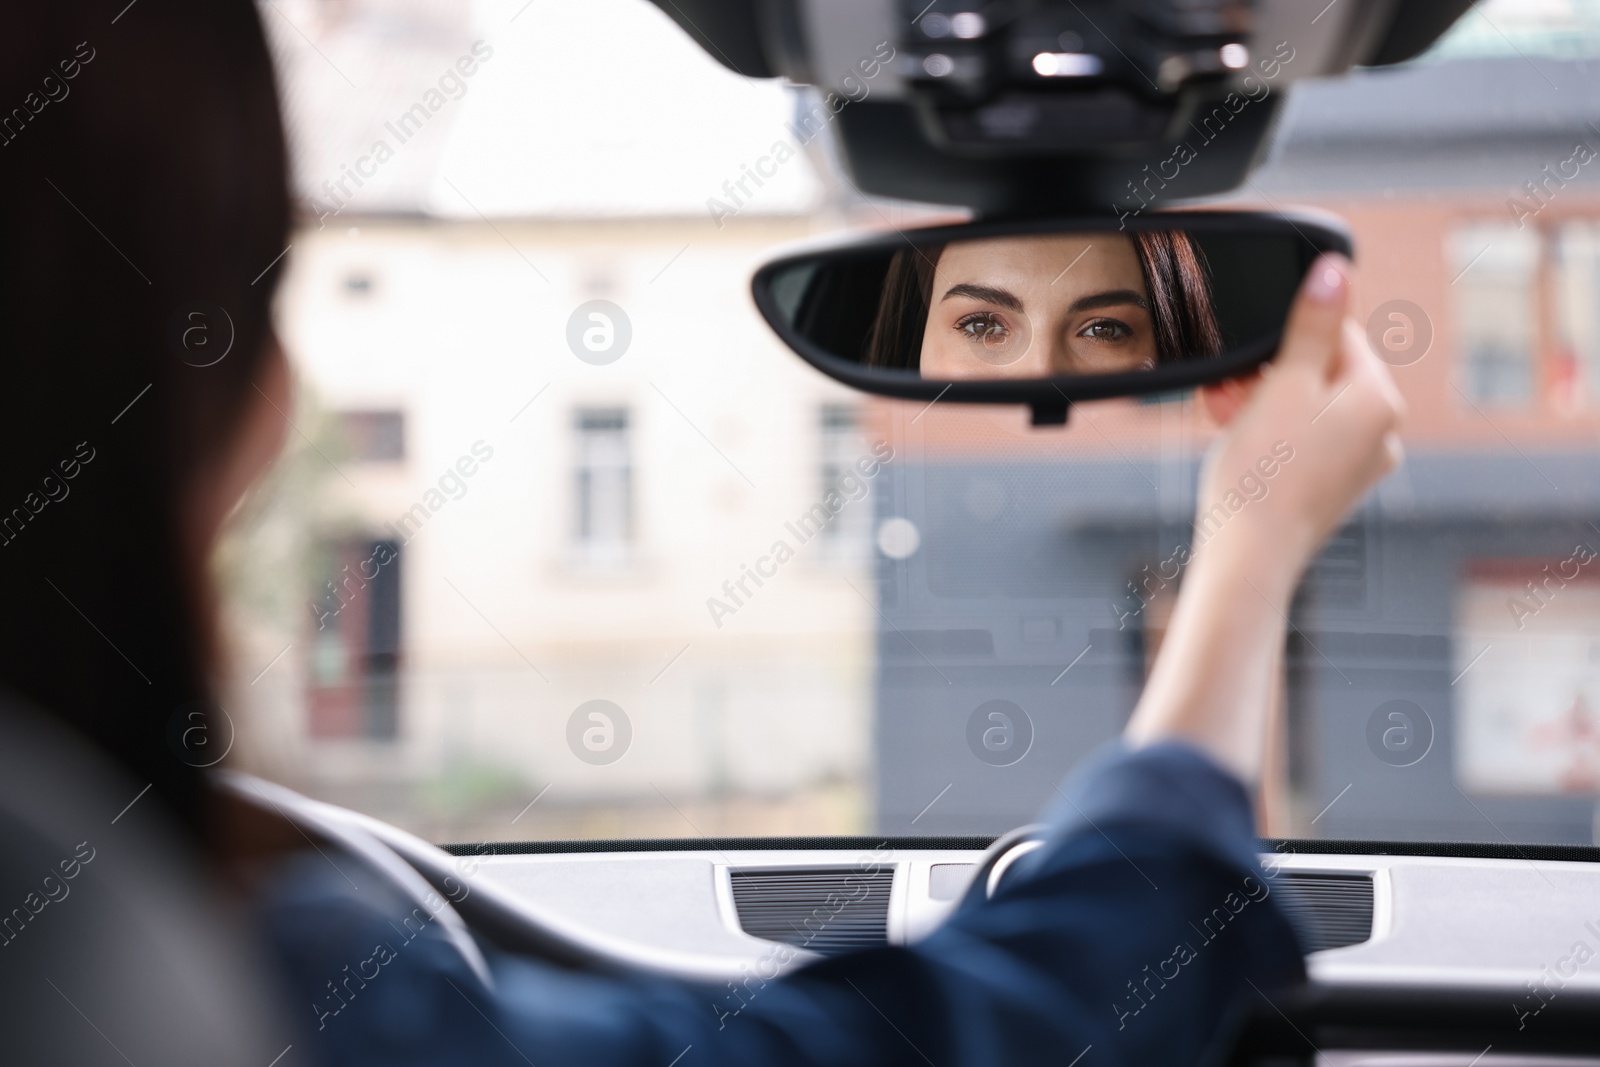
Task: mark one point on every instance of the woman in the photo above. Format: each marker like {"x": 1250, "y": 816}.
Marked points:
{"x": 142, "y": 168}
{"x": 146, "y": 207}
{"x": 154, "y": 191}
{"x": 1040, "y": 306}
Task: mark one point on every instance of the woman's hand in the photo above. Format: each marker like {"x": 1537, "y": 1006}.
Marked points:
{"x": 1322, "y": 417}
{"x": 1300, "y": 445}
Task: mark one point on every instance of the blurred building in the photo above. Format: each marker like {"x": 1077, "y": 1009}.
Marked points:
{"x": 518, "y": 571}
{"x": 1423, "y": 700}
{"x": 493, "y": 559}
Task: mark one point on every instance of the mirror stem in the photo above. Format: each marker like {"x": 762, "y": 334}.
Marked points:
{"x": 1050, "y": 413}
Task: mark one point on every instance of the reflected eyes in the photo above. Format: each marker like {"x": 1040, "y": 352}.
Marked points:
{"x": 983, "y": 327}
{"x": 1106, "y": 330}
{"x": 990, "y": 329}
{"x": 999, "y": 338}
{"x": 993, "y": 337}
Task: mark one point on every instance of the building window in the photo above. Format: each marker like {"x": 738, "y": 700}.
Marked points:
{"x": 841, "y": 447}
{"x": 1576, "y": 370}
{"x": 374, "y": 436}
{"x": 603, "y": 486}
{"x": 1494, "y": 268}
{"x": 355, "y": 641}
{"x": 1527, "y": 713}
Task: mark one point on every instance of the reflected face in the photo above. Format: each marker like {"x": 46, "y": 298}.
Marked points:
{"x": 1033, "y": 307}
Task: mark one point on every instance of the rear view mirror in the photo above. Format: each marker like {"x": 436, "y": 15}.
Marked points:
{"x": 1046, "y": 313}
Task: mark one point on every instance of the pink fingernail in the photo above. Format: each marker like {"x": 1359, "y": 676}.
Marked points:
{"x": 1326, "y": 281}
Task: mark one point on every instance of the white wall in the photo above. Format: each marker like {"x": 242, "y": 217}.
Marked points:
{"x": 460, "y": 330}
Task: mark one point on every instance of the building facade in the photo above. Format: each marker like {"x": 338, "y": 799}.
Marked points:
{"x": 1441, "y": 671}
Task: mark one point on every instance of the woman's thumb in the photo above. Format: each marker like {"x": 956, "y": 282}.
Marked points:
{"x": 1311, "y": 337}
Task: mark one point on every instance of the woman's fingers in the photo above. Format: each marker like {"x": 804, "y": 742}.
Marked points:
{"x": 1311, "y": 339}
{"x": 1367, "y": 365}
{"x": 1329, "y": 402}
{"x": 1379, "y": 404}
{"x": 1311, "y": 336}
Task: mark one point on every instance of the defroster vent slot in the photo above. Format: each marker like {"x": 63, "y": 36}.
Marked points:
{"x": 1327, "y": 910}
{"x": 827, "y": 910}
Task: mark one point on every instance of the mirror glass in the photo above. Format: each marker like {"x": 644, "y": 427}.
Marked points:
{"x": 1044, "y": 305}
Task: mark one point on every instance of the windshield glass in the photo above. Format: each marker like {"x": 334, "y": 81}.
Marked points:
{"x": 566, "y": 545}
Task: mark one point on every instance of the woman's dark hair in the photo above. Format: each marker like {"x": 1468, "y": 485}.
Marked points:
{"x": 1175, "y": 276}
{"x": 143, "y": 178}
{"x": 896, "y": 336}
{"x": 1179, "y": 285}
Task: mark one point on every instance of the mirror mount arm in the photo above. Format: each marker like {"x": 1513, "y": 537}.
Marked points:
{"x": 1051, "y": 412}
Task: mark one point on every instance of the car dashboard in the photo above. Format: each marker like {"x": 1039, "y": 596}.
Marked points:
{"x": 1413, "y": 960}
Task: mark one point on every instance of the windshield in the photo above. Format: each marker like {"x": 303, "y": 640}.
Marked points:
{"x": 565, "y": 545}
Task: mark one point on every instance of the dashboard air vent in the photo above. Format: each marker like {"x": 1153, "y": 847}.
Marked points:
{"x": 827, "y": 910}
{"x": 1327, "y": 910}
{"x": 833, "y": 910}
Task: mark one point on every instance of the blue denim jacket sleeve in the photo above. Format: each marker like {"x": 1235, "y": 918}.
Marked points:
{"x": 1138, "y": 935}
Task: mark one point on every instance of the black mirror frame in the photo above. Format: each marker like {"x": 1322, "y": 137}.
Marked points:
{"x": 1049, "y": 398}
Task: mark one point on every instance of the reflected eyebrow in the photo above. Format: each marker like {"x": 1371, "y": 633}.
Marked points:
{"x": 984, "y": 292}
{"x": 1107, "y": 299}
